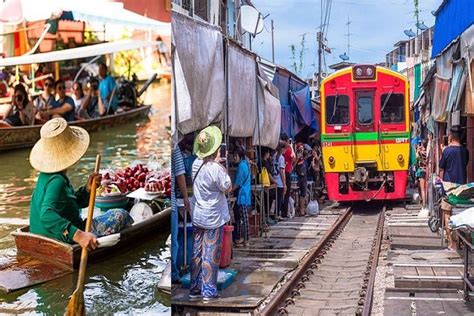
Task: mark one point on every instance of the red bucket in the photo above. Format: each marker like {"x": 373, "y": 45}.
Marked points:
{"x": 226, "y": 252}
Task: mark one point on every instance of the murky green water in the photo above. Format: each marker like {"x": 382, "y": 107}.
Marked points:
{"x": 124, "y": 284}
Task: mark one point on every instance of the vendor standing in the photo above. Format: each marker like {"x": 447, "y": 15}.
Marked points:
{"x": 55, "y": 205}
{"x": 290, "y": 159}
{"x": 178, "y": 181}
{"x": 452, "y": 166}
{"x": 454, "y": 159}
{"x": 211, "y": 211}
{"x": 242, "y": 191}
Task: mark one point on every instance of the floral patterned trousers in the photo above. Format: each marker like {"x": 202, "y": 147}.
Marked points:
{"x": 205, "y": 261}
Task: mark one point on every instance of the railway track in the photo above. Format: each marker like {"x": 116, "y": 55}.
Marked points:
{"x": 337, "y": 277}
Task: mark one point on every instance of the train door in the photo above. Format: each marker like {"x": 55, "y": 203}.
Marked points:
{"x": 393, "y": 129}
{"x": 365, "y": 126}
{"x": 364, "y": 107}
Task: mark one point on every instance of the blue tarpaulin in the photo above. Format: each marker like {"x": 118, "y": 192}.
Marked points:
{"x": 304, "y": 114}
{"x": 295, "y": 100}
{"x": 452, "y": 19}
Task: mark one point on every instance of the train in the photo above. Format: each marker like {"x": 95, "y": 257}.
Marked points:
{"x": 365, "y": 134}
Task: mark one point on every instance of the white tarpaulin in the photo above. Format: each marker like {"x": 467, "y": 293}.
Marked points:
{"x": 182, "y": 98}
{"x": 91, "y": 11}
{"x": 267, "y": 131}
{"x": 242, "y": 92}
{"x": 200, "y": 48}
{"x": 467, "y": 43}
{"x": 76, "y": 53}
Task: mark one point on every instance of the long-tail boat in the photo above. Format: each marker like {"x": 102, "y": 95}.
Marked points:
{"x": 26, "y": 136}
{"x": 41, "y": 259}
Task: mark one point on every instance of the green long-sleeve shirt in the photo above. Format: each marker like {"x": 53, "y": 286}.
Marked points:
{"x": 55, "y": 207}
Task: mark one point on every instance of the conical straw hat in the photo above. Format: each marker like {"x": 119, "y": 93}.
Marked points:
{"x": 60, "y": 146}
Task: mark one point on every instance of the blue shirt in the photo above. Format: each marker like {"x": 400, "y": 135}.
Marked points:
{"x": 106, "y": 86}
{"x": 454, "y": 162}
{"x": 242, "y": 179}
{"x": 68, "y": 116}
{"x": 177, "y": 169}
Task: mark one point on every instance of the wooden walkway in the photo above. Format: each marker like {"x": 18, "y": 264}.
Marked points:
{"x": 427, "y": 277}
{"x": 264, "y": 264}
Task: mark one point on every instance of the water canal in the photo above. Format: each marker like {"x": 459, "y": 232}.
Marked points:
{"x": 125, "y": 284}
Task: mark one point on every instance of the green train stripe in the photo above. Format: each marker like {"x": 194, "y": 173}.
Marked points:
{"x": 364, "y": 136}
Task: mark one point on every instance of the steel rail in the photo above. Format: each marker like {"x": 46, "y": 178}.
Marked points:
{"x": 291, "y": 288}
{"x": 375, "y": 260}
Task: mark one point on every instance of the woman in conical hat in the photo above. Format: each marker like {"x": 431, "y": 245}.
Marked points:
{"x": 55, "y": 205}
{"x": 210, "y": 213}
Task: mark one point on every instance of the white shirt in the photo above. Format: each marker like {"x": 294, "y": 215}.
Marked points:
{"x": 280, "y": 164}
{"x": 77, "y": 102}
{"x": 210, "y": 204}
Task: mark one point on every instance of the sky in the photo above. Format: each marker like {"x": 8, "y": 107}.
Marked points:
{"x": 376, "y": 25}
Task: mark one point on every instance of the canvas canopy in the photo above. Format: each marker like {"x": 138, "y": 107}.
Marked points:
{"x": 242, "y": 94}
{"x": 75, "y": 53}
{"x": 201, "y": 74}
{"x": 91, "y": 11}
{"x": 267, "y": 130}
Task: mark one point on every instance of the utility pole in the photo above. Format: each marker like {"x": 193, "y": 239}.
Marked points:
{"x": 273, "y": 44}
{"x": 348, "y": 36}
{"x": 319, "y": 38}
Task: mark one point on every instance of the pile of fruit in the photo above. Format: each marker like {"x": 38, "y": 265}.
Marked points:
{"x": 122, "y": 181}
{"x": 159, "y": 182}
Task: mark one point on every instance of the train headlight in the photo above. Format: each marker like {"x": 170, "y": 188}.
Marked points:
{"x": 363, "y": 72}
{"x": 331, "y": 160}
{"x": 400, "y": 159}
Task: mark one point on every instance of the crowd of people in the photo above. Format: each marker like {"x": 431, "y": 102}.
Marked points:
{"x": 215, "y": 175}
{"x": 97, "y": 99}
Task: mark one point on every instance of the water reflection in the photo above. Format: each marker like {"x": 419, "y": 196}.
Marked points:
{"x": 124, "y": 284}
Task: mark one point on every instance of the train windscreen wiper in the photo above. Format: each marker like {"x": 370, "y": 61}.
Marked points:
{"x": 386, "y": 100}
{"x": 334, "y": 108}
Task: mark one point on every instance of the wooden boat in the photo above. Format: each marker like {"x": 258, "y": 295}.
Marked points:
{"x": 41, "y": 259}
{"x": 26, "y": 136}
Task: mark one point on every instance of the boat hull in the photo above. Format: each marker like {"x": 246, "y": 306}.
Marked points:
{"x": 48, "y": 249}
{"x": 26, "y": 136}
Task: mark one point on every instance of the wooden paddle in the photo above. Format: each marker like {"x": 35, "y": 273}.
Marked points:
{"x": 76, "y": 301}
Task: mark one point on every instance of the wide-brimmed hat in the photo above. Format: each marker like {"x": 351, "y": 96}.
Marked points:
{"x": 60, "y": 146}
{"x": 207, "y": 141}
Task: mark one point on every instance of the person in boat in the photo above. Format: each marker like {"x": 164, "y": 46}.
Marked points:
{"x": 55, "y": 205}
{"x": 210, "y": 213}
{"x": 77, "y": 96}
{"x": 44, "y": 101}
{"x": 92, "y": 106}
{"x": 63, "y": 105}
{"x": 107, "y": 89}
{"x": 21, "y": 112}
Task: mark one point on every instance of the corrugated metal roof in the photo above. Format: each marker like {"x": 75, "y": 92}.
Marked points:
{"x": 452, "y": 19}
